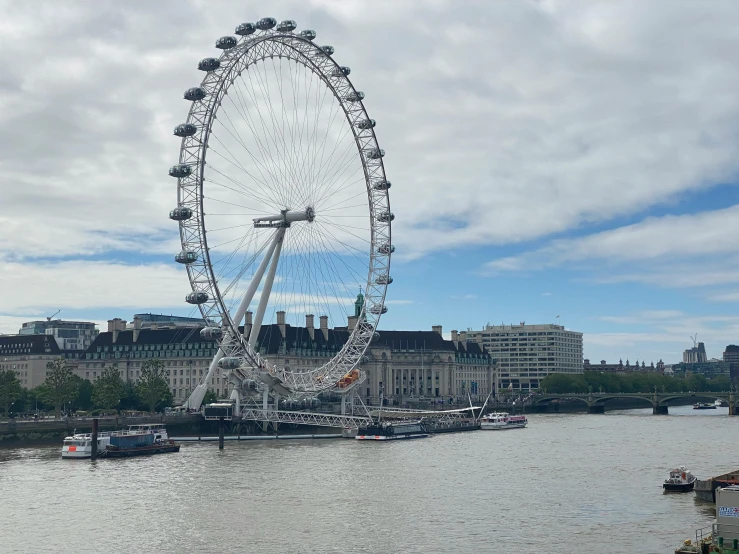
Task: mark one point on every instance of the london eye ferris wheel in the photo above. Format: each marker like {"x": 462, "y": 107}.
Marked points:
{"x": 282, "y": 203}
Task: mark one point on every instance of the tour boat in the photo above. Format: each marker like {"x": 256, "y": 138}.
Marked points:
{"x": 501, "y": 420}
{"x": 718, "y": 403}
{"x": 680, "y": 480}
{"x": 704, "y": 406}
{"x": 79, "y": 445}
{"x": 392, "y": 431}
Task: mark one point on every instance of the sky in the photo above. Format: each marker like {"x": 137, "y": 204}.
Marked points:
{"x": 552, "y": 161}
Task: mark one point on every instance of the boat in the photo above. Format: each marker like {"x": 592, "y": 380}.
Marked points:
{"x": 718, "y": 403}
{"x": 436, "y": 426}
{"x": 384, "y": 431}
{"x": 680, "y": 480}
{"x": 705, "y": 489}
{"x": 79, "y": 445}
{"x": 502, "y": 420}
{"x": 704, "y": 406}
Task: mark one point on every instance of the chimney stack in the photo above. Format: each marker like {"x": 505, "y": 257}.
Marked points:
{"x": 310, "y": 326}
{"x": 352, "y": 322}
{"x": 324, "y": 326}
{"x": 454, "y": 335}
{"x": 281, "y": 322}
{"x": 463, "y": 336}
{"x": 136, "y": 328}
{"x": 248, "y": 324}
{"x": 436, "y": 328}
{"x": 115, "y": 326}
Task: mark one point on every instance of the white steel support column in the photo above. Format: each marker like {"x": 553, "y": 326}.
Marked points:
{"x": 249, "y": 295}
{"x": 267, "y": 288}
{"x": 196, "y": 398}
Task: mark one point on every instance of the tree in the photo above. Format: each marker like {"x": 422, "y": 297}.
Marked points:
{"x": 10, "y": 389}
{"x": 84, "y": 394}
{"x": 152, "y": 387}
{"x": 108, "y": 389}
{"x": 60, "y": 386}
{"x": 210, "y": 397}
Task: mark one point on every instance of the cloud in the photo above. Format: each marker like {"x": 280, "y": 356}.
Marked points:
{"x": 463, "y": 297}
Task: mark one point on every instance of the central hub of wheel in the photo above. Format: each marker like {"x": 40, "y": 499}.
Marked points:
{"x": 286, "y": 218}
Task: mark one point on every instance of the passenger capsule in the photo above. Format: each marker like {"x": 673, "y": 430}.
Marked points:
{"x": 194, "y": 94}
{"x": 266, "y": 23}
{"x": 186, "y": 257}
{"x": 245, "y": 29}
{"x": 375, "y": 153}
{"x": 328, "y": 50}
{"x": 227, "y": 42}
{"x": 355, "y": 96}
{"x": 342, "y": 71}
{"x": 209, "y": 64}
{"x": 229, "y": 362}
{"x": 308, "y": 34}
{"x": 381, "y": 185}
{"x": 180, "y": 170}
{"x": 384, "y": 280}
{"x": 211, "y": 333}
{"x": 366, "y": 124}
{"x": 377, "y": 309}
{"x": 197, "y": 297}
{"x": 286, "y": 26}
{"x": 180, "y": 213}
{"x": 385, "y": 217}
{"x": 386, "y": 248}
{"x": 185, "y": 130}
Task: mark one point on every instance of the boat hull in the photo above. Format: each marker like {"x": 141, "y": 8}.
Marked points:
{"x": 495, "y": 427}
{"x": 391, "y": 437}
{"x": 678, "y": 487}
{"x": 141, "y": 451}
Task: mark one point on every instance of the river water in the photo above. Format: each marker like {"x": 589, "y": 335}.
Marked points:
{"x": 568, "y": 483}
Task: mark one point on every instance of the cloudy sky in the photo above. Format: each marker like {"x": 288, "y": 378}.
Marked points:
{"x": 549, "y": 158}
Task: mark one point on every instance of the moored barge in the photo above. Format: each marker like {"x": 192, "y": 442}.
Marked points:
{"x": 706, "y": 489}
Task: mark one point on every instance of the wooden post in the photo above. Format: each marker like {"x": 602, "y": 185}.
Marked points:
{"x": 94, "y": 450}
{"x": 220, "y": 433}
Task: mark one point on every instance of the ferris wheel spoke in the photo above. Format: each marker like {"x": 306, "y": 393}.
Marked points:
{"x": 277, "y": 138}
{"x": 331, "y": 251}
{"x": 268, "y": 158}
{"x": 262, "y": 149}
{"x": 333, "y": 192}
{"x": 243, "y": 186}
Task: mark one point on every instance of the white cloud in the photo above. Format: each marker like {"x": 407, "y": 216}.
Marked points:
{"x": 32, "y": 288}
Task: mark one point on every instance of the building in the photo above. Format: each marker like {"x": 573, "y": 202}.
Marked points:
{"x": 69, "y": 335}
{"x": 526, "y": 354}
{"x": 694, "y": 355}
{"x": 154, "y": 321}
{"x": 27, "y": 356}
{"x": 620, "y": 367}
{"x": 709, "y": 369}
{"x": 731, "y": 356}
{"x": 407, "y": 366}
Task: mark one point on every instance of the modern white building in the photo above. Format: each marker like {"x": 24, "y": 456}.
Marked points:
{"x": 69, "y": 335}
{"x": 526, "y": 354}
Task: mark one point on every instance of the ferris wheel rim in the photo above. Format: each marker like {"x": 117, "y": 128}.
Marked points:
{"x": 379, "y": 261}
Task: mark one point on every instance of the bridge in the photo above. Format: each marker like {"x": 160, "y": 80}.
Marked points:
{"x": 659, "y": 401}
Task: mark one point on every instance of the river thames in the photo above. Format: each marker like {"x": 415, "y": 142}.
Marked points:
{"x": 569, "y": 483}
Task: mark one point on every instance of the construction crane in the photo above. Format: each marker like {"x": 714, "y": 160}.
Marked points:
{"x": 695, "y": 340}
{"x": 49, "y": 318}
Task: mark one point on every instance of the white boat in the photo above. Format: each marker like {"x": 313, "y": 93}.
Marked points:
{"x": 717, "y": 403}
{"x": 680, "y": 480}
{"x": 79, "y": 445}
{"x": 502, "y": 420}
